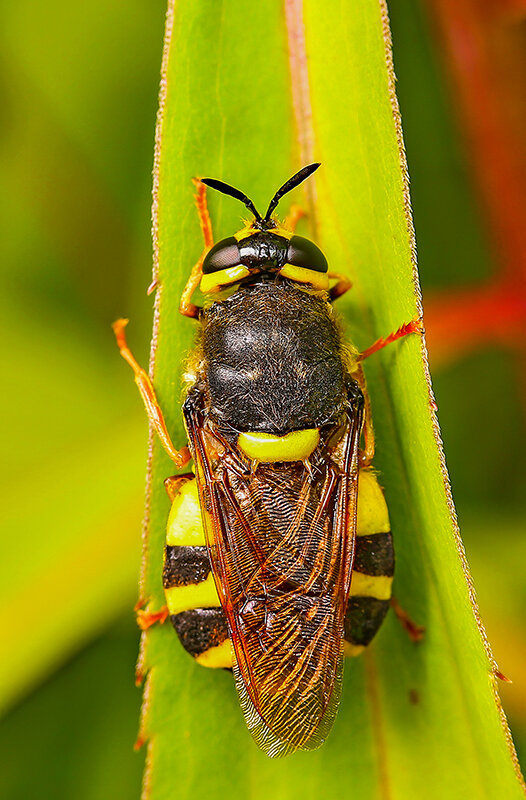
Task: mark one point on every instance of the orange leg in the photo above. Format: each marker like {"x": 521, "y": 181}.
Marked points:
{"x": 293, "y": 217}
{"x": 155, "y": 415}
{"x": 501, "y": 676}
{"x": 186, "y": 307}
{"x": 145, "y": 619}
{"x": 202, "y": 210}
{"x": 415, "y": 326}
{"x": 367, "y": 454}
{"x": 342, "y": 285}
{"x": 174, "y": 482}
{"x": 414, "y": 631}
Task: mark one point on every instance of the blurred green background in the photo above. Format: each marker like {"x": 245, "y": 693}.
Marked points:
{"x": 79, "y": 97}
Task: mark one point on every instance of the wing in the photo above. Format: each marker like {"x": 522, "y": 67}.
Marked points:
{"x": 281, "y": 544}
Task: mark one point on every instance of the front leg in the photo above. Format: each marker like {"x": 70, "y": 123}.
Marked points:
{"x": 186, "y": 307}
{"x": 144, "y": 384}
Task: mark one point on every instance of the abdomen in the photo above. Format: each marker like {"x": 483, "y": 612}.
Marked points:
{"x": 193, "y": 603}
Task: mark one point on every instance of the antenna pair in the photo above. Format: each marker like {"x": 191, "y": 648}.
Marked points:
{"x": 296, "y": 179}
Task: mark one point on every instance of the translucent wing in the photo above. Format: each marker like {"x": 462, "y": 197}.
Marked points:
{"x": 281, "y": 545}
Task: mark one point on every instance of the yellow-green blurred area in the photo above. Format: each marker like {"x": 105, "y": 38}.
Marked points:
{"x": 79, "y": 97}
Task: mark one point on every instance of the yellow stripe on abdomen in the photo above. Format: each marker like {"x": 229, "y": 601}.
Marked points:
{"x": 193, "y": 595}
{"x": 373, "y": 568}
{"x": 218, "y": 657}
{"x": 378, "y": 586}
{"x": 372, "y": 516}
{"x": 185, "y": 526}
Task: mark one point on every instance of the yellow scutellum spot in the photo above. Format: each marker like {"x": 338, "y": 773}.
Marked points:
{"x": 194, "y": 595}
{"x": 217, "y": 657}
{"x": 378, "y": 586}
{"x": 223, "y": 277}
{"x": 184, "y": 525}
{"x": 352, "y": 650}
{"x": 268, "y": 448}
{"x": 372, "y": 516}
{"x": 319, "y": 280}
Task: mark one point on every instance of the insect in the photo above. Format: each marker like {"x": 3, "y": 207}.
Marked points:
{"x": 279, "y": 557}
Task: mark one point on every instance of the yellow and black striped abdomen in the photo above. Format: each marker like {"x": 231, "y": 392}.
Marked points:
{"x": 373, "y": 567}
{"x": 193, "y": 602}
{"x": 191, "y": 595}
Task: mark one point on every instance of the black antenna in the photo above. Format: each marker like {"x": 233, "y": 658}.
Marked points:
{"x": 296, "y": 179}
{"x": 230, "y": 190}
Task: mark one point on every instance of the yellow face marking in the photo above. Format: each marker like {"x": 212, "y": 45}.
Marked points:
{"x": 249, "y": 230}
{"x": 185, "y": 526}
{"x": 216, "y": 280}
{"x": 319, "y": 280}
{"x": 378, "y": 586}
{"x": 351, "y": 650}
{"x": 372, "y": 516}
{"x": 219, "y": 656}
{"x": 268, "y": 448}
{"x": 195, "y": 595}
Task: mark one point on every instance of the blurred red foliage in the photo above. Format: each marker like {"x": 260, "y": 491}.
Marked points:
{"x": 483, "y": 43}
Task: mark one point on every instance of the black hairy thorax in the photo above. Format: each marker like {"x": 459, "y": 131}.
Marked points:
{"x": 273, "y": 360}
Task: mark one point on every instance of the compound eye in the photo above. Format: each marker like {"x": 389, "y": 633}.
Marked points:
{"x": 304, "y": 253}
{"x": 224, "y": 254}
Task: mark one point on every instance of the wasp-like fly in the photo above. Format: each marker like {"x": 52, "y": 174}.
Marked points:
{"x": 279, "y": 556}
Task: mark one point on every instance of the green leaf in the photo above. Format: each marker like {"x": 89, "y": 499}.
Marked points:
{"x": 69, "y": 561}
{"x": 64, "y": 731}
{"x": 73, "y": 454}
{"x": 415, "y": 720}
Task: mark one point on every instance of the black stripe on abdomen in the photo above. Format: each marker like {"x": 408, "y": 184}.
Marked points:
{"x": 374, "y": 555}
{"x": 185, "y": 565}
{"x": 200, "y": 629}
{"x": 368, "y": 603}
{"x": 364, "y": 617}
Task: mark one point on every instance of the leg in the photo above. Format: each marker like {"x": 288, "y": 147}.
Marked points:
{"x": 414, "y": 631}
{"x": 145, "y": 619}
{"x": 145, "y": 386}
{"x": 415, "y": 326}
{"x": 174, "y": 486}
{"x": 367, "y": 454}
{"x": 342, "y": 285}
{"x": 186, "y": 307}
{"x": 174, "y": 483}
{"x": 293, "y": 217}
{"x": 202, "y": 210}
